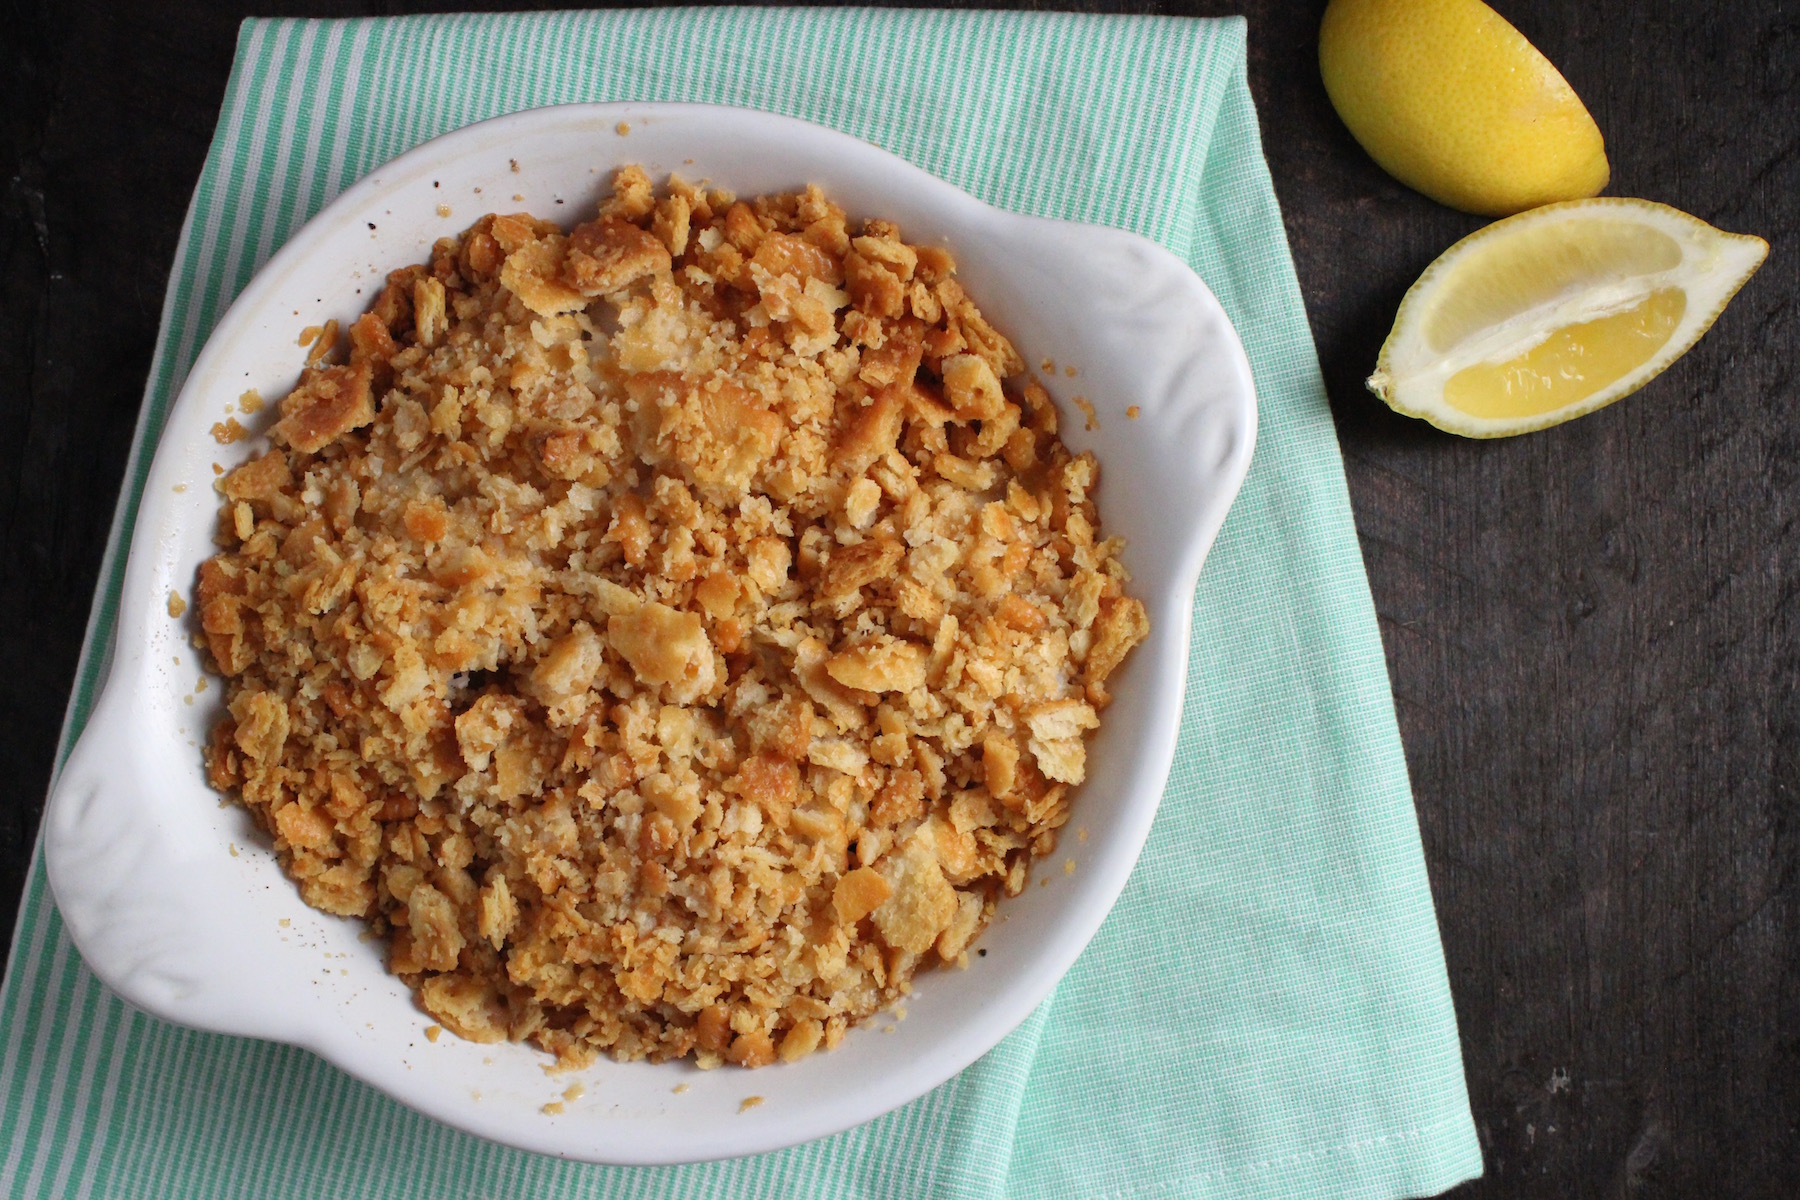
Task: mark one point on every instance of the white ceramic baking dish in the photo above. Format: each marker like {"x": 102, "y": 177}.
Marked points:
{"x": 177, "y": 903}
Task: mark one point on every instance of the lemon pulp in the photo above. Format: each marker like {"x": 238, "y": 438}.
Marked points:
{"x": 1555, "y": 312}
{"x": 1570, "y": 365}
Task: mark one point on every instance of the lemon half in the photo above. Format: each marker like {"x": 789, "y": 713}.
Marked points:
{"x": 1557, "y": 312}
{"x": 1452, "y": 101}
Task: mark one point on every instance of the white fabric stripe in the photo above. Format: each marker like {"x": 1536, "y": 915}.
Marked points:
{"x": 272, "y": 216}
{"x": 348, "y": 87}
{"x": 221, "y": 281}
{"x": 323, "y": 108}
{"x": 40, "y": 1050}
{"x": 118, "y": 1037}
{"x": 58, "y": 1116}
{"x": 203, "y": 270}
{"x": 23, "y": 977}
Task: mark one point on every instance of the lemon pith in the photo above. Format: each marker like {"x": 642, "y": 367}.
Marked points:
{"x": 1453, "y": 101}
{"x": 1556, "y": 312}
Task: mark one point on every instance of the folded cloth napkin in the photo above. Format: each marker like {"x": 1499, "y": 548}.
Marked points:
{"x": 1266, "y": 1011}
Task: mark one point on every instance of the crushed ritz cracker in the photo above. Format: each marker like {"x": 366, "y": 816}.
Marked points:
{"x": 672, "y": 634}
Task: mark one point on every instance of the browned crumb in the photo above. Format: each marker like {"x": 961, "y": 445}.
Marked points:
{"x": 574, "y": 1092}
{"x": 433, "y": 1032}
{"x": 518, "y": 198}
{"x": 322, "y": 339}
{"x": 1048, "y": 366}
{"x": 285, "y": 922}
{"x": 443, "y": 210}
{"x": 622, "y": 129}
{"x": 554, "y": 1108}
{"x": 672, "y": 634}
{"x": 1071, "y": 372}
{"x": 749, "y": 1103}
{"x": 513, "y": 163}
{"x": 1068, "y": 866}
{"x": 1087, "y": 410}
{"x": 1132, "y": 411}
{"x": 679, "y": 1088}
{"x": 1081, "y": 834}
{"x": 200, "y": 685}
{"x": 228, "y": 431}
{"x": 177, "y": 606}
{"x": 250, "y": 402}
{"x": 218, "y": 469}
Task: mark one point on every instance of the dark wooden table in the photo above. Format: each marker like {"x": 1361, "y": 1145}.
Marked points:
{"x": 1594, "y": 632}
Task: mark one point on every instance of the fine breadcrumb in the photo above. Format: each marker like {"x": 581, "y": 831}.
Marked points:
{"x": 671, "y": 634}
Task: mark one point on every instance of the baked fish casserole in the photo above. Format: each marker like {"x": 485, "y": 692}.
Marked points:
{"x": 673, "y": 634}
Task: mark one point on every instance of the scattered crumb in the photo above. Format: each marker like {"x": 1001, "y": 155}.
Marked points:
{"x": 1071, "y": 372}
{"x": 574, "y": 1092}
{"x": 189, "y": 701}
{"x": 518, "y": 198}
{"x": 250, "y": 402}
{"x": 1087, "y": 410}
{"x": 553, "y": 1109}
{"x": 228, "y": 431}
{"x": 749, "y": 1103}
{"x": 217, "y": 468}
{"x": 285, "y": 922}
{"x": 177, "y": 605}
{"x": 200, "y": 685}
{"x": 679, "y": 1088}
{"x": 309, "y": 335}
{"x": 514, "y": 164}
{"x": 474, "y": 1093}
{"x": 1048, "y": 366}
{"x": 324, "y": 344}
{"x": 443, "y": 210}
{"x": 1132, "y": 412}
{"x": 433, "y": 1032}
{"x": 232, "y": 846}
{"x": 900, "y": 1012}
{"x": 181, "y": 487}
{"x": 1044, "y": 882}
{"x": 1068, "y": 866}
{"x": 1081, "y": 834}
{"x": 622, "y": 129}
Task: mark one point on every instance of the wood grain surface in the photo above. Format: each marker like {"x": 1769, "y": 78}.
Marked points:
{"x": 1593, "y": 631}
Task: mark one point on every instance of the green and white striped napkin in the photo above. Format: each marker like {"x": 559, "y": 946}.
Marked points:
{"x": 1299, "y": 1038}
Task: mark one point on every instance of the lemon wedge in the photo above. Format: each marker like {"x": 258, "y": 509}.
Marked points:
{"x": 1452, "y": 101}
{"x": 1558, "y": 311}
